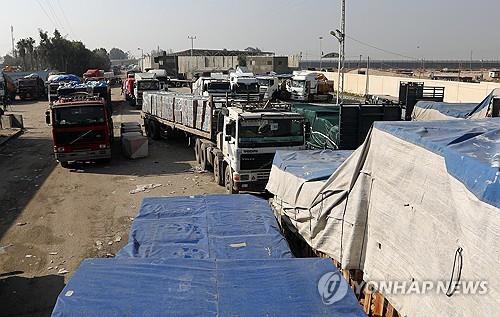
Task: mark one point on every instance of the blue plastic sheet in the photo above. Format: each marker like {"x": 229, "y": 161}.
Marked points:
{"x": 66, "y": 78}
{"x": 453, "y": 110}
{"x": 310, "y": 164}
{"x": 202, "y": 227}
{"x": 470, "y": 148}
{"x": 181, "y": 287}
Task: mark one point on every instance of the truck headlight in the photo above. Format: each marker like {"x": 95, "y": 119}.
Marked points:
{"x": 244, "y": 177}
{"x": 102, "y": 146}
{"x": 60, "y": 149}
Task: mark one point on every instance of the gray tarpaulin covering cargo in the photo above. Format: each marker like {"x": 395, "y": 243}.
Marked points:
{"x": 418, "y": 201}
{"x": 430, "y": 110}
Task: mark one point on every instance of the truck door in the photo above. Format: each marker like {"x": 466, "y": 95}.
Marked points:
{"x": 229, "y": 144}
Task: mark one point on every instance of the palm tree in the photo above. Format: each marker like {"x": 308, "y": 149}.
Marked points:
{"x": 21, "y": 48}
{"x": 30, "y": 45}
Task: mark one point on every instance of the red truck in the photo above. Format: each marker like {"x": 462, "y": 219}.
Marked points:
{"x": 82, "y": 129}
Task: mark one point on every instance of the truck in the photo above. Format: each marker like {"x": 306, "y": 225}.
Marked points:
{"x": 244, "y": 85}
{"x": 310, "y": 86}
{"x": 54, "y": 81}
{"x": 93, "y": 74}
{"x": 82, "y": 128}
{"x": 237, "y": 140}
{"x": 268, "y": 87}
{"x": 161, "y": 75}
{"x": 143, "y": 82}
{"x": 215, "y": 86}
{"x": 31, "y": 87}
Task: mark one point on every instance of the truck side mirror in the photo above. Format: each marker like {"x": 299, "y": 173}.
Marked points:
{"x": 47, "y": 117}
{"x": 227, "y": 138}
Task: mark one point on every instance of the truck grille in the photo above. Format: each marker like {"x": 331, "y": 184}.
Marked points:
{"x": 261, "y": 161}
{"x": 64, "y": 138}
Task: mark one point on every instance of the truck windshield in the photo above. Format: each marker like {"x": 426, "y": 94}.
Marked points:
{"x": 270, "y": 132}
{"x": 79, "y": 115}
{"x": 298, "y": 83}
{"x": 218, "y": 86}
{"x": 148, "y": 85}
{"x": 246, "y": 88}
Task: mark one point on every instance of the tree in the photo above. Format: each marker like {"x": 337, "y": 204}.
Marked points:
{"x": 116, "y": 53}
{"x": 21, "y": 49}
{"x": 30, "y": 46}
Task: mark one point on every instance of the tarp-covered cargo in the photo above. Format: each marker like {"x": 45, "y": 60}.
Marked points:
{"x": 216, "y": 226}
{"x": 181, "y": 287}
{"x": 413, "y": 200}
{"x": 428, "y": 110}
{"x": 308, "y": 170}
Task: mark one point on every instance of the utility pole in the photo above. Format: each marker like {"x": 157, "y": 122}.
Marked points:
{"x": 342, "y": 51}
{"x": 192, "y": 38}
{"x": 359, "y": 63}
{"x": 14, "y": 54}
{"x": 320, "y": 52}
{"x": 367, "y": 78}
{"x": 470, "y": 66}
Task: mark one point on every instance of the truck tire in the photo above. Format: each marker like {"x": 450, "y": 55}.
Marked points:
{"x": 197, "y": 149}
{"x": 154, "y": 130}
{"x": 146, "y": 127}
{"x": 228, "y": 181}
{"x": 65, "y": 164}
{"x": 218, "y": 171}
{"x": 203, "y": 157}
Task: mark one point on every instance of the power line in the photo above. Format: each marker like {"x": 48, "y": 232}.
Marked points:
{"x": 46, "y": 14}
{"x": 380, "y": 49}
{"x": 54, "y": 15}
{"x": 65, "y": 18}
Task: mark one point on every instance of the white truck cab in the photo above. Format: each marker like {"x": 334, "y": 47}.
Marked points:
{"x": 215, "y": 86}
{"x": 268, "y": 86}
{"x": 144, "y": 82}
{"x": 310, "y": 86}
{"x": 244, "y": 85}
{"x": 250, "y": 140}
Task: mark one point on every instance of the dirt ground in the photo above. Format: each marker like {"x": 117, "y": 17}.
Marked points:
{"x": 52, "y": 218}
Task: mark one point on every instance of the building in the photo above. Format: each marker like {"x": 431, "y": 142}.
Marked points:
{"x": 267, "y": 64}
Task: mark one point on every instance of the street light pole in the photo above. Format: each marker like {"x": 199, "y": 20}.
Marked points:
{"x": 320, "y": 52}
{"x": 192, "y": 38}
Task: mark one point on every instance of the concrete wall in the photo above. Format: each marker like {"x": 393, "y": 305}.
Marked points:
{"x": 188, "y": 64}
{"x": 386, "y": 85}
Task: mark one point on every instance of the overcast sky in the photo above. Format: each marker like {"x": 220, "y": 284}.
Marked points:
{"x": 430, "y": 29}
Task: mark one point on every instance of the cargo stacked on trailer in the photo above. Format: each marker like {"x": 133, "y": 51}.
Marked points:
{"x": 237, "y": 139}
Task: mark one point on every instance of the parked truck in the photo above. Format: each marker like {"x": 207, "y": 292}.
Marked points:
{"x": 310, "y": 86}
{"x": 82, "y": 128}
{"x": 215, "y": 86}
{"x": 31, "y": 87}
{"x": 244, "y": 85}
{"x": 268, "y": 87}
{"x": 143, "y": 82}
{"x": 237, "y": 140}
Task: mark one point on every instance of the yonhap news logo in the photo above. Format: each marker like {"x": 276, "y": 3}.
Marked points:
{"x": 332, "y": 288}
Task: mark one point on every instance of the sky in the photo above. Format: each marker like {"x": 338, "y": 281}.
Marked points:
{"x": 429, "y": 29}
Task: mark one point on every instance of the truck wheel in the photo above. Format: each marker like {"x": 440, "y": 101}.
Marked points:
{"x": 154, "y": 130}
{"x": 146, "y": 127}
{"x": 228, "y": 181}
{"x": 65, "y": 164}
{"x": 203, "y": 157}
{"x": 197, "y": 149}
{"x": 218, "y": 171}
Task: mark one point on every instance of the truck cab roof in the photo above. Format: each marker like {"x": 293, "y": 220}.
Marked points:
{"x": 78, "y": 99}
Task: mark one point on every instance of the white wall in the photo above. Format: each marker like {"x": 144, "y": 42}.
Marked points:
{"x": 387, "y": 85}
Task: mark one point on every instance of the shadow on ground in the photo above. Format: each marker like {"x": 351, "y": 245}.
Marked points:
{"x": 21, "y": 296}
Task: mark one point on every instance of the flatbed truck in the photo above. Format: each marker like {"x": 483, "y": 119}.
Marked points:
{"x": 237, "y": 140}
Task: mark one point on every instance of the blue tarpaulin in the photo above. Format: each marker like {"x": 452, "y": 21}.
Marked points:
{"x": 451, "y": 110}
{"x": 470, "y": 148}
{"x": 182, "y": 287}
{"x": 65, "y": 78}
{"x": 310, "y": 164}
{"x": 200, "y": 227}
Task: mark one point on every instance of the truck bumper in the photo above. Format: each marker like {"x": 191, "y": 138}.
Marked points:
{"x": 83, "y": 155}
{"x": 255, "y": 186}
